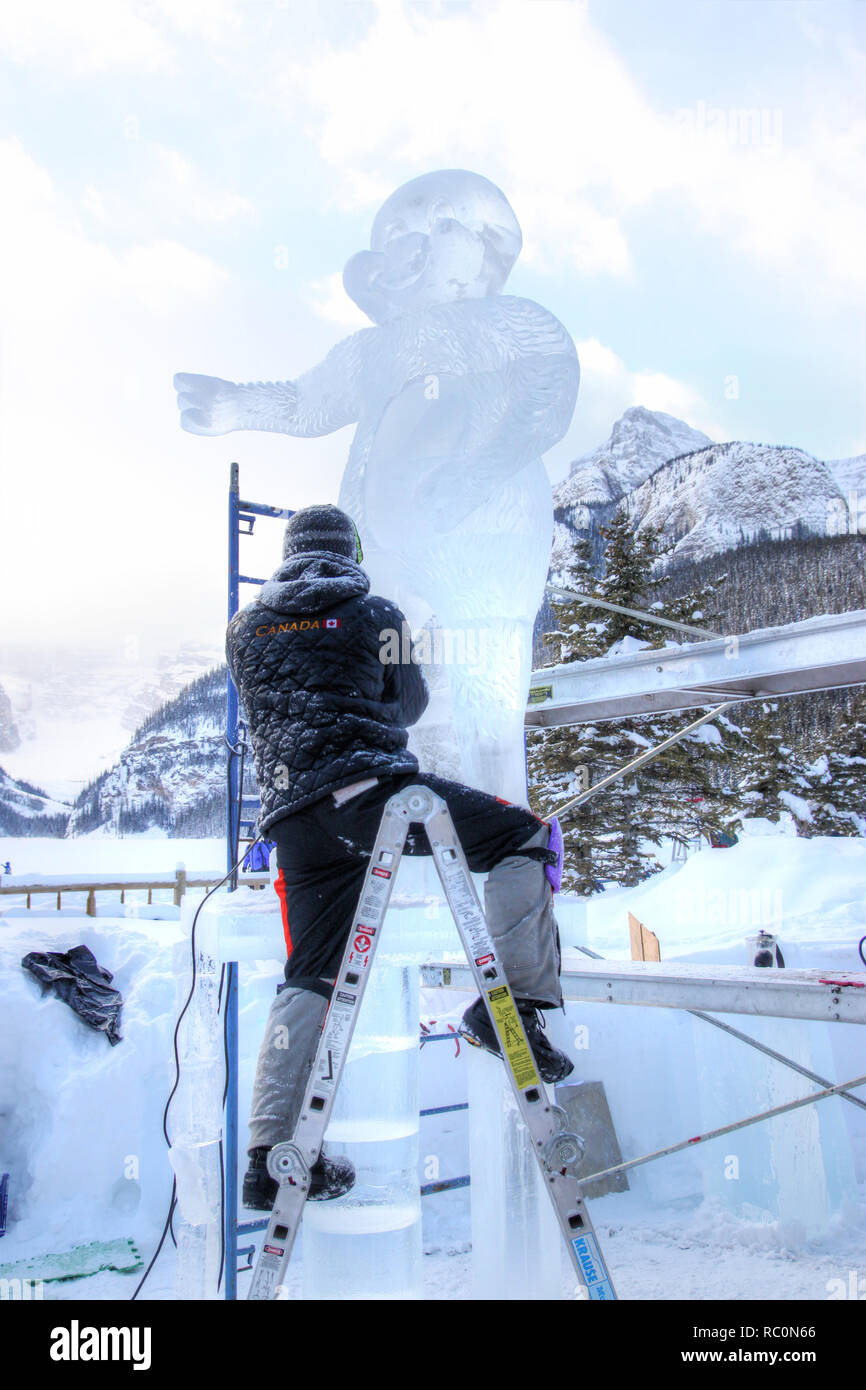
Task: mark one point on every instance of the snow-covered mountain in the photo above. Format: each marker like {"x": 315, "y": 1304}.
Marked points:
{"x": 172, "y": 772}
{"x": 703, "y": 497}
{"x": 26, "y": 810}
{"x": 715, "y": 498}
{"x": 74, "y": 710}
{"x": 640, "y": 441}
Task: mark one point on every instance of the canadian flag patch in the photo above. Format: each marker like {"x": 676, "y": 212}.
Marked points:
{"x": 332, "y": 622}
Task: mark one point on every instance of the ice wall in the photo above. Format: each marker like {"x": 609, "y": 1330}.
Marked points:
{"x": 669, "y": 1076}
{"x": 795, "y": 1171}
{"x": 80, "y": 1127}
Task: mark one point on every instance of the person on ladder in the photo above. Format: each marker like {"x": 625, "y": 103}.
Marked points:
{"x": 328, "y": 720}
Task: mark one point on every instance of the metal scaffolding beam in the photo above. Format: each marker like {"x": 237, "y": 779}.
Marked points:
{"x": 828, "y": 996}
{"x": 824, "y": 653}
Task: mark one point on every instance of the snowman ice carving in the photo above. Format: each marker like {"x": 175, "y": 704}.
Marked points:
{"x": 457, "y": 392}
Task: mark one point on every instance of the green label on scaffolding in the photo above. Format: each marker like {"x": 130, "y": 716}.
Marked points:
{"x": 539, "y": 693}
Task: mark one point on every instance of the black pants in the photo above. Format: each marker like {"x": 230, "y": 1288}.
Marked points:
{"x": 323, "y": 851}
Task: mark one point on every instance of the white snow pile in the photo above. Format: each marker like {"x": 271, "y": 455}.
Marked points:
{"x": 81, "y": 1121}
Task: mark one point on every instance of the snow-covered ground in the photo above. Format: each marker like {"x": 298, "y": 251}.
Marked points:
{"x": 775, "y": 1211}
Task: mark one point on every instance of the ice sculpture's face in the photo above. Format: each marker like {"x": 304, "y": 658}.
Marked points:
{"x": 444, "y": 236}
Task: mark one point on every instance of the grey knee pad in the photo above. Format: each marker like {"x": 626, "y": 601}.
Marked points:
{"x": 519, "y": 909}
{"x": 285, "y": 1060}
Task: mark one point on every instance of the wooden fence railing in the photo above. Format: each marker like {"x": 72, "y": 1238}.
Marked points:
{"x": 20, "y": 886}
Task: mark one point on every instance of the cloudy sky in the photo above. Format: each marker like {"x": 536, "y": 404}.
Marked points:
{"x": 183, "y": 181}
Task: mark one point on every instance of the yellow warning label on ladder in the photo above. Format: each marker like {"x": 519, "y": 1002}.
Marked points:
{"x": 512, "y": 1037}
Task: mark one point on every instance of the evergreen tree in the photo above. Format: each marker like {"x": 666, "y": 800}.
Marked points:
{"x": 683, "y": 791}
{"x": 674, "y": 796}
{"x": 602, "y": 837}
{"x": 773, "y": 777}
{"x": 838, "y": 778}
{"x": 628, "y": 579}
{"x": 578, "y": 635}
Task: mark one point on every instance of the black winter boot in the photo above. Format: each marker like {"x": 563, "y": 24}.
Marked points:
{"x": 329, "y": 1178}
{"x": 477, "y": 1029}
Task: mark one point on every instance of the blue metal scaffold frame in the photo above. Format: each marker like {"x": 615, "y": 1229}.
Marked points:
{"x": 242, "y": 517}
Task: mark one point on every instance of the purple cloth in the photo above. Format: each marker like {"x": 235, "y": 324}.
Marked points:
{"x": 556, "y": 846}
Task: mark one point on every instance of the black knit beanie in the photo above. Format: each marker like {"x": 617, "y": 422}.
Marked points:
{"x": 321, "y": 528}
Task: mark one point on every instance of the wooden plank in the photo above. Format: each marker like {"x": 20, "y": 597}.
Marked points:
{"x": 644, "y": 943}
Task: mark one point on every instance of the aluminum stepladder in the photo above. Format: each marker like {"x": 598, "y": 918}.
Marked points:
{"x": 557, "y": 1151}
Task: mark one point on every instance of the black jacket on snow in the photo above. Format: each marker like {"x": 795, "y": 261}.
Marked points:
{"x": 322, "y": 708}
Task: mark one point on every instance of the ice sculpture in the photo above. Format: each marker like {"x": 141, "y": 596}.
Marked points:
{"x": 371, "y": 1238}
{"x": 195, "y": 1120}
{"x": 516, "y": 1241}
{"x": 456, "y": 392}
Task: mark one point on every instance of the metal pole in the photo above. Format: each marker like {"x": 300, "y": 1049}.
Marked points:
{"x": 230, "y": 1209}
{"x": 230, "y": 1224}
{"x": 231, "y": 693}
{"x": 646, "y": 756}
{"x": 727, "y": 1129}
{"x": 591, "y": 601}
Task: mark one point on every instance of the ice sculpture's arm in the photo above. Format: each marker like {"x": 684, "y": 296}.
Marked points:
{"x": 323, "y": 399}
{"x": 526, "y": 414}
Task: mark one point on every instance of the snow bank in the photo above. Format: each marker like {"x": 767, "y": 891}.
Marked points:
{"x": 812, "y": 893}
{"x": 81, "y": 1121}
